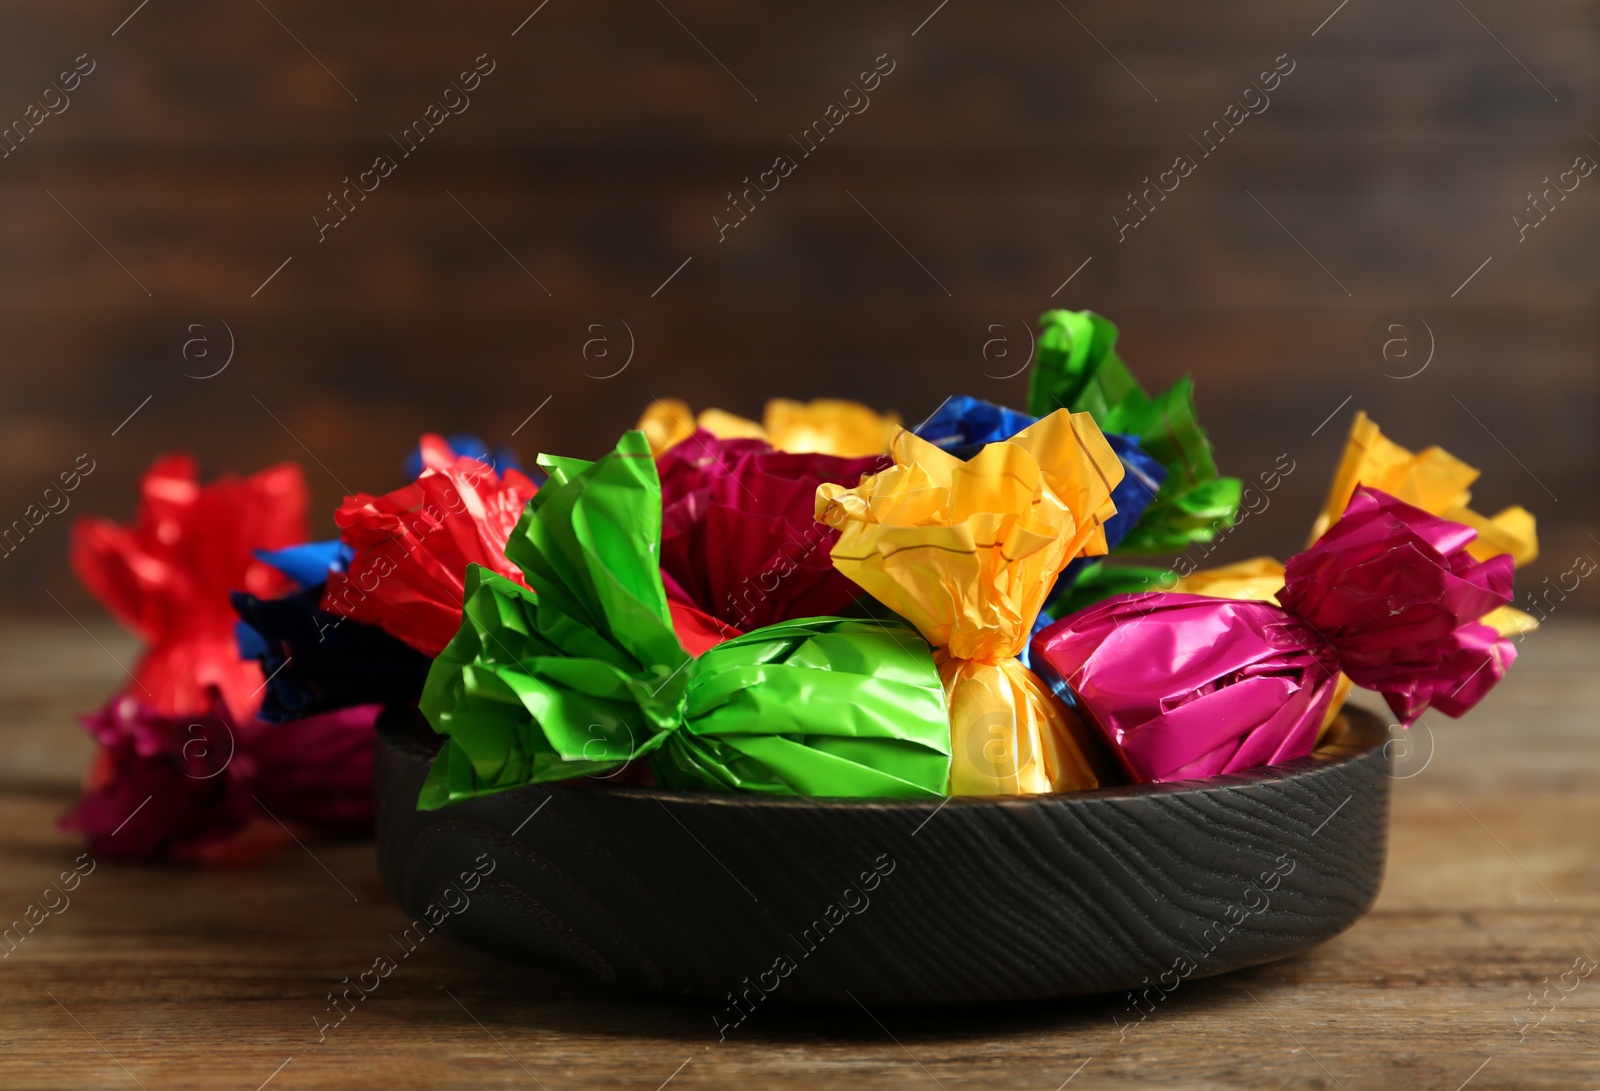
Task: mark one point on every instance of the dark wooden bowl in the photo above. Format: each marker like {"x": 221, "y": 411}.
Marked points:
{"x": 972, "y": 899}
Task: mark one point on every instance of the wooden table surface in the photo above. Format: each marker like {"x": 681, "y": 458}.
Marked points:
{"x": 162, "y": 977}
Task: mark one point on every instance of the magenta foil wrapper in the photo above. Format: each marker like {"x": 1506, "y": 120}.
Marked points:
{"x": 1184, "y": 686}
{"x": 738, "y": 540}
{"x": 161, "y": 784}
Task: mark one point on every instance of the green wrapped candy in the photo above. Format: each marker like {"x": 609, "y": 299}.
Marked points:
{"x": 588, "y": 673}
{"x": 1100, "y": 581}
{"x": 1076, "y": 367}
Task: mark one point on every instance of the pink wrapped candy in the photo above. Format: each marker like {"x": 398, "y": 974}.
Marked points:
{"x": 165, "y": 785}
{"x": 1185, "y": 686}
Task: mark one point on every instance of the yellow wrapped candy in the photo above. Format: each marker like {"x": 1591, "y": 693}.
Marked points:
{"x": 828, "y": 426}
{"x": 967, "y": 552}
{"x": 666, "y": 422}
{"x": 1433, "y": 480}
{"x": 1259, "y": 579}
{"x": 726, "y": 425}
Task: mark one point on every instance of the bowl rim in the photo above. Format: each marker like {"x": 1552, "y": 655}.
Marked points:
{"x": 1355, "y": 734}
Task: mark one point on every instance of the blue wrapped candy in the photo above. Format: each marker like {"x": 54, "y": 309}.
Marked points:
{"x": 315, "y": 661}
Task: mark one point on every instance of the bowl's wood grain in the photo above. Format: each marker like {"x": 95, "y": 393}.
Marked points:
{"x": 977, "y": 899}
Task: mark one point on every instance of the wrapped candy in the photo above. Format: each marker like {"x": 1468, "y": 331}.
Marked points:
{"x": 585, "y": 671}
{"x": 1100, "y": 580}
{"x": 667, "y": 422}
{"x": 315, "y": 661}
{"x": 316, "y": 771}
{"x": 962, "y": 425}
{"x": 828, "y": 426}
{"x": 1259, "y": 578}
{"x": 434, "y": 452}
{"x": 178, "y": 782}
{"x": 1433, "y": 480}
{"x": 1076, "y": 367}
{"x": 167, "y": 577}
{"x": 1186, "y": 686}
{"x": 410, "y": 552}
{"x": 967, "y": 551}
{"x": 737, "y": 536}
{"x": 167, "y": 785}
{"x": 308, "y": 563}
{"x": 411, "y": 548}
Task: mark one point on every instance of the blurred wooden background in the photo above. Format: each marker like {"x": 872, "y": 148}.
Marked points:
{"x": 591, "y": 161}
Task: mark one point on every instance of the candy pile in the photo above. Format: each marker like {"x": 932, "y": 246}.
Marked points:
{"x": 820, "y": 604}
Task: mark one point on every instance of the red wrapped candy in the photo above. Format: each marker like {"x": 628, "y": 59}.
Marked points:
{"x": 1185, "y": 686}
{"x": 167, "y": 577}
{"x": 412, "y": 546}
{"x": 738, "y": 536}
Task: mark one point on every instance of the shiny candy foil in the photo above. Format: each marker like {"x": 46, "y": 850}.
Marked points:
{"x": 1433, "y": 480}
{"x": 1076, "y": 367}
{"x": 411, "y": 547}
{"x": 967, "y": 551}
{"x": 738, "y": 540}
{"x": 582, "y": 671}
{"x": 1184, "y": 686}
{"x": 828, "y": 426}
{"x": 167, "y": 577}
